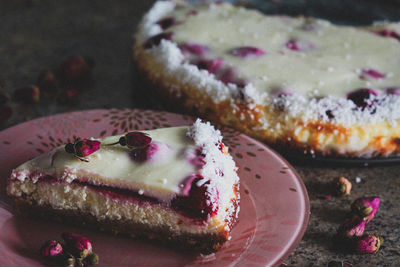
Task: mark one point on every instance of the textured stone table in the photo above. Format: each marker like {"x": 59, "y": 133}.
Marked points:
{"x": 36, "y": 34}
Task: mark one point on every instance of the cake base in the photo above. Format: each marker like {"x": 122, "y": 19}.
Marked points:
{"x": 203, "y": 243}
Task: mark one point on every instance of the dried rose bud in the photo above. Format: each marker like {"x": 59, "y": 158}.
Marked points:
{"x": 70, "y": 261}
{"x": 47, "y": 80}
{"x": 134, "y": 140}
{"x": 5, "y": 113}
{"x": 78, "y": 245}
{"x": 82, "y": 148}
{"x": 368, "y": 244}
{"x": 366, "y": 207}
{"x": 28, "y": 94}
{"x": 51, "y": 249}
{"x": 3, "y": 98}
{"x": 342, "y": 186}
{"x": 74, "y": 68}
{"x": 92, "y": 259}
{"x": 352, "y": 227}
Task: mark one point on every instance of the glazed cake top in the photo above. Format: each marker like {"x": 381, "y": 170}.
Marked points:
{"x": 177, "y": 155}
{"x": 259, "y": 58}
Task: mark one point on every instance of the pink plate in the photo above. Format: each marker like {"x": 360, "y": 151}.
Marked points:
{"x": 274, "y": 203}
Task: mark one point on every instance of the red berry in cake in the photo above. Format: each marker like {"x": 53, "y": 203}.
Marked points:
{"x": 156, "y": 39}
{"x": 352, "y": 227}
{"x": 389, "y": 34}
{"x": 211, "y": 65}
{"x": 144, "y": 153}
{"x": 299, "y": 46}
{"x": 51, "y": 249}
{"x": 46, "y": 80}
{"x": 368, "y": 244}
{"x": 78, "y": 245}
{"x": 366, "y": 207}
{"x": 28, "y": 94}
{"x": 229, "y": 76}
{"x": 5, "y": 113}
{"x": 363, "y": 97}
{"x": 3, "y": 98}
{"x": 246, "y": 51}
{"x": 74, "y": 68}
{"x": 393, "y": 91}
{"x": 371, "y": 74}
{"x": 168, "y": 22}
{"x": 82, "y": 148}
{"x": 192, "y": 48}
{"x": 200, "y": 203}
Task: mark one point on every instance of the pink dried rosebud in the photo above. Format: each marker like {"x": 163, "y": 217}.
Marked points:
{"x": 28, "y": 94}
{"x": 74, "y": 68}
{"x": 47, "y": 80}
{"x": 51, "y": 249}
{"x": 352, "y": 227}
{"x": 246, "y": 51}
{"x": 5, "y": 113}
{"x": 342, "y": 186}
{"x": 78, "y": 245}
{"x": 368, "y": 244}
{"x": 134, "y": 140}
{"x": 366, "y": 207}
{"x": 82, "y": 148}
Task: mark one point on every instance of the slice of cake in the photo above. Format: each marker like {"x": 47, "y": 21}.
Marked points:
{"x": 298, "y": 83}
{"x": 174, "y": 184}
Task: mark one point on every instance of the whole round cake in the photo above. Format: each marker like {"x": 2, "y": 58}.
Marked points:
{"x": 296, "y": 83}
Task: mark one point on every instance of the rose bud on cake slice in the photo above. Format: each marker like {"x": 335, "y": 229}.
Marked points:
{"x": 176, "y": 185}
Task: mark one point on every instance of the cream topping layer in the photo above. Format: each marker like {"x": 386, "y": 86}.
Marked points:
{"x": 112, "y": 165}
{"x": 307, "y": 56}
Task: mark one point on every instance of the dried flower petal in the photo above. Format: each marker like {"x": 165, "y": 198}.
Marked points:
{"x": 371, "y": 74}
{"x": 342, "y": 186}
{"x": 193, "y": 48}
{"x": 366, "y": 207}
{"x": 74, "y": 68}
{"x": 28, "y": 94}
{"x": 368, "y": 244}
{"x": 51, "y": 249}
{"x": 78, "y": 245}
{"x": 246, "y": 51}
{"x": 352, "y": 227}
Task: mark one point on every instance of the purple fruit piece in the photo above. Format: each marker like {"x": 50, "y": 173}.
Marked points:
{"x": 196, "y": 158}
{"x": 371, "y": 74}
{"x": 199, "y": 204}
{"x": 299, "y": 46}
{"x": 361, "y": 97}
{"x": 144, "y": 153}
{"x": 211, "y": 65}
{"x": 246, "y": 51}
{"x": 156, "y": 39}
{"x": 168, "y": 22}
{"x": 389, "y": 34}
{"x": 229, "y": 76}
{"x": 192, "y": 48}
{"x": 393, "y": 91}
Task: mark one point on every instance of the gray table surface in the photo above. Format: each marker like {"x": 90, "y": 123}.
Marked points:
{"x": 37, "y": 34}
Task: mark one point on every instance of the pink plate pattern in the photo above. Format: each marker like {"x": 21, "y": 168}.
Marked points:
{"x": 274, "y": 203}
